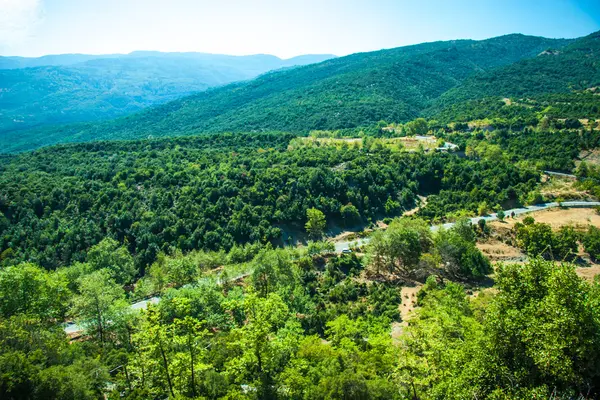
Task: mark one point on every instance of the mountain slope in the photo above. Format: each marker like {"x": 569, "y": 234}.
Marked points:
{"x": 573, "y": 67}
{"x": 49, "y": 60}
{"x": 359, "y": 89}
{"x": 73, "y": 88}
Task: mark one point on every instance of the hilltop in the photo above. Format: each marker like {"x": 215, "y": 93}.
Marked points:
{"x": 395, "y": 85}
{"x": 555, "y": 70}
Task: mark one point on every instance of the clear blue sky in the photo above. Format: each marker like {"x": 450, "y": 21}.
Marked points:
{"x": 282, "y": 27}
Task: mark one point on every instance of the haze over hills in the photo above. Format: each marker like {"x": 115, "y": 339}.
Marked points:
{"x": 75, "y": 87}
{"x": 258, "y": 61}
{"x": 395, "y": 85}
{"x": 418, "y": 222}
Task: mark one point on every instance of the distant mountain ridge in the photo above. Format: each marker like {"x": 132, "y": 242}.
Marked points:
{"x": 76, "y": 88}
{"x": 395, "y": 85}
{"x": 15, "y": 62}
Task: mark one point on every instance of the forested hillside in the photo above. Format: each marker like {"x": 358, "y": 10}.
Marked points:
{"x": 555, "y": 70}
{"x": 216, "y": 191}
{"x": 86, "y": 229}
{"x": 335, "y": 245}
{"x": 74, "y": 88}
{"x": 360, "y": 89}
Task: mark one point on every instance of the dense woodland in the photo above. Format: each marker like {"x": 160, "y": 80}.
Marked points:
{"x": 357, "y": 90}
{"x": 89, "y": 228}
{"x": 301, "y": 327}
{"x": 217, "y": 191}
{"x": 225, "y": 235}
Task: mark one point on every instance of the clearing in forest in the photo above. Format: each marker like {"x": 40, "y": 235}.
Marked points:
{"x": 556, "y": 217}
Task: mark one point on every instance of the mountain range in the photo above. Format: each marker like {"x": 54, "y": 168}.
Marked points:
{"x": 395, "y": 85}
{"x": 77, "y": 87}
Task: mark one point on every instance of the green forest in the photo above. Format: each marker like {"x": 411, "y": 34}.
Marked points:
{"x": 320, "y": 232}
{"x": 213, "y": 192}
{"x": 209, "y": 223}
{"x": 361, "y": 89}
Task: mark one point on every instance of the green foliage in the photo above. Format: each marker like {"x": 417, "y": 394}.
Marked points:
{"x": 346, "y": 92}
{"x": 459, "y": 256}
{"x": 28, "y": 289}
{"x": 350, "y": 214}
{"x": 188, "y": 193}
{"x": 545, "y": 150}
{"x": 409, "y": 249}
{"x": 549, "y": 318}
{"x": 99, "y": 303}
{"x": 537, "y": 335}
{"x": 538, "y": 239}
{"x": 591, "y": 242}
{"x": 37, "y": 362}
{"x": 202, "y": 221}
{"x": 399, "y": 248}
{"x": 565, "y": 243}
{"x": 315, "y": 226}
{"x": 90, "y": 88}
{"x": 315, "y": 248}
{"x": 501, "y": 215}
{"x": 110, "y": 256}
{"x": 588, "y": 178}
{"x": 550, "y": 72}
{"x": 417, "y": 127}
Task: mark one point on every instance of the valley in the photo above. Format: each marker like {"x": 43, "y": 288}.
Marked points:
{"x": 62, "y": 89}
{"x": 420, "y": 222}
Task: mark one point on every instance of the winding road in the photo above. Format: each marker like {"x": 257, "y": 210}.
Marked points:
{"x": 73, "y": 329}
{"x": 339, "y": 246}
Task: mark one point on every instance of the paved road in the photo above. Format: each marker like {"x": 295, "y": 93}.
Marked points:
{"x": 72, "y": 328}
{"x": 492, "y": 217}
{"x": 563, "y": 175}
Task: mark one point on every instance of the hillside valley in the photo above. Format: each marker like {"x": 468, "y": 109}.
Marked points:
{"x": 415, "y": 223}
{"x": 75, "y": 88}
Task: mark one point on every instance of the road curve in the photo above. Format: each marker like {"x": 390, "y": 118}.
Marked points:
{"x": 72, "y": 328}
{"x": 339, "y": 246}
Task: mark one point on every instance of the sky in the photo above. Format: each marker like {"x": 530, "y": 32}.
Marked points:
{"x": 284, "y": 28}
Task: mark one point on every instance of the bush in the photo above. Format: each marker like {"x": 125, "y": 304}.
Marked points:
{"x": 591, "y": 242}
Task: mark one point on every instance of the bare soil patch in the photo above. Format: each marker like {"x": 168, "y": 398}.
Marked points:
{"x": 422, "y": 202}
{"x": 556, "y": 218}
{"x": 409, "y": 300}
{"x": 497, "y": 251}
{"x": 555, "y": 187}
{"x": 406, "y": 307}
{"x": 591, "y": 157}
{"x": 588, "y": 273}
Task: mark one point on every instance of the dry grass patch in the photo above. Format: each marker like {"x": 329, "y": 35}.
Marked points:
{"x": 407, "y": 143}
{"x": 554, "y": 187}
{"x": 497, "y": 251}
{"x": 591, "y": 157}
{"x": 555, "y": 217}
{"x": 588, "y": 273}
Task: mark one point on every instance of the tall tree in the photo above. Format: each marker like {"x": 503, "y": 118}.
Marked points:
{"x": 99, "y": 301}
{"x": 315, "y": 226}
{"x": 109, "y": 255}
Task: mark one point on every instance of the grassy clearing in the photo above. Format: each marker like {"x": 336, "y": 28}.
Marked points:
{"x": 555, "y": 188}
{"x": 394, "y": 144}
{"x": 591, "y": 157}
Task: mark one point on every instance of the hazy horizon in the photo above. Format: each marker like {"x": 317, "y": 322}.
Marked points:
{"x": 167, "y": 52}
{"x": 34, "y": 28}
